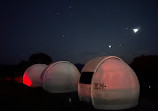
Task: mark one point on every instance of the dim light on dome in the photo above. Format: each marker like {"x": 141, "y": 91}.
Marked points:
{"x": 60, "y": 77}
{"x": 112, "y": 85}
{"x": 31, "y": 76}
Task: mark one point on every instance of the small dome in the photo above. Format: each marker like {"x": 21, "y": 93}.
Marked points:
{"x": 60, "y": 77}
{"x": 32, "y": 75}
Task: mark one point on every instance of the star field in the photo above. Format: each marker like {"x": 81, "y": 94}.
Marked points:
{"x": 78, "y": 30}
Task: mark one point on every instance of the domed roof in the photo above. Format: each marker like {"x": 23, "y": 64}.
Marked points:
{"x": 60, "y": 77}
{"x": 114, "y": 85}
{"x": 32, "y": 75}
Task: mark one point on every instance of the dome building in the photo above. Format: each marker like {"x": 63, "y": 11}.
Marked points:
{"x": 109, "y": 83}
{"x": 31, "y": 76}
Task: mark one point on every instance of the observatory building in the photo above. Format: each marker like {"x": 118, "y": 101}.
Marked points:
{"x": 60, "y": 77}
{"x": 31, "y": 76}
{"x": 109, "y": 83}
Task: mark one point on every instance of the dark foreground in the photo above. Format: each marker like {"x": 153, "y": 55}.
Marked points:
{"x": 15, "y": 96}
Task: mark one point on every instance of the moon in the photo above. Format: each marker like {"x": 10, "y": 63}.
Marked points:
{"x": 135, "y": 30}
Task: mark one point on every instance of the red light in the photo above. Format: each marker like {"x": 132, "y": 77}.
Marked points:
{"x": 8, "y": 79}
{"x": 26, "y": 80}
{"x": 18, "y": 79}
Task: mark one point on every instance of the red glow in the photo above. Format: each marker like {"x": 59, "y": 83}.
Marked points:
{"x": 18, "y": 79}
{"x": 8, "y": 79}
{"x": 26, "y": 80}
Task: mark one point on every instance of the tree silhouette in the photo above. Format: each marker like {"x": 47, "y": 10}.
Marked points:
{"x": 147, "y": 72}
{"x": 39, "y": 58}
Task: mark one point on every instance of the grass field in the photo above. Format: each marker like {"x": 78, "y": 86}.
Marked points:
{"x": 15, "y": 96}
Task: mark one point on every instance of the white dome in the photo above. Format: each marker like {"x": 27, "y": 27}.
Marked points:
{"x": 84, "y": 86}
{"x": 114, "y": 85}
{"x": 60, "y": 77}
{"x": 32, "y": 75}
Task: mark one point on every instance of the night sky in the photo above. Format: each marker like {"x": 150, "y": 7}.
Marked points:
{"x": 77, "y": 30}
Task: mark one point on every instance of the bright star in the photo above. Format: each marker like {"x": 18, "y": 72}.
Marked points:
{"x": 109, "y": 46}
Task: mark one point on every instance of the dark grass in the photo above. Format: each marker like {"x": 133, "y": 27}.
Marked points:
{"x": 15, "y": 96}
